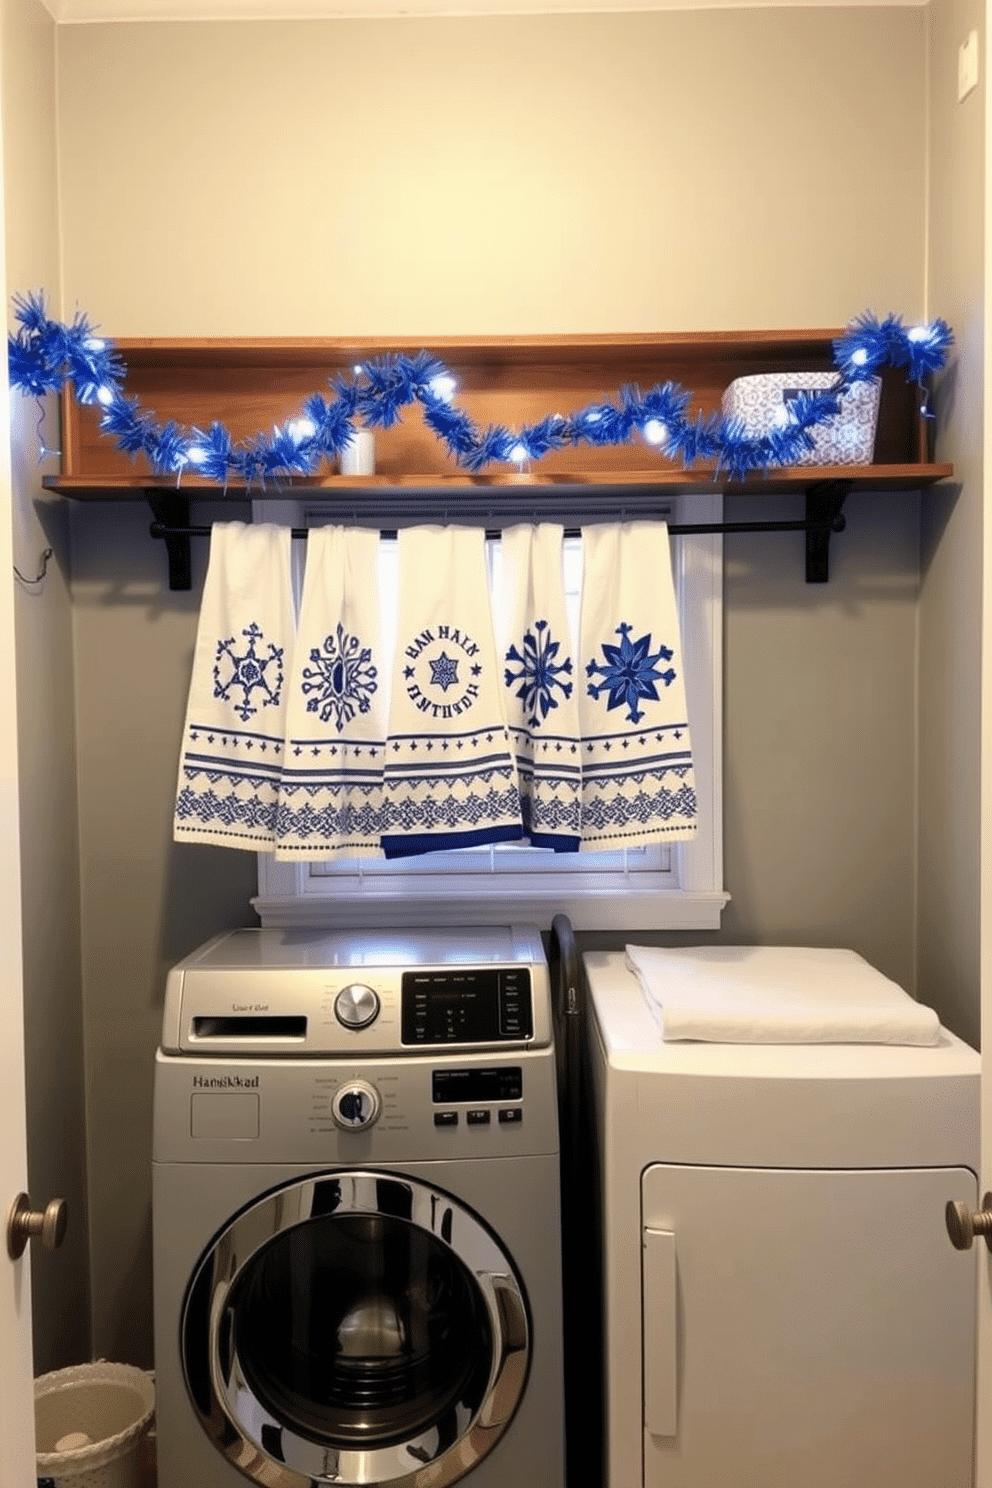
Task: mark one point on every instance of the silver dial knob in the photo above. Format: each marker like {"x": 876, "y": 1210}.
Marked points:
{"x": 356, "y": 1105}
{"x": 356, "y": 1006}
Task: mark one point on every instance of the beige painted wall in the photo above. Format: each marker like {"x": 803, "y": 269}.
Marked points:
{"x": 509, "y": 174}
{"x": 46, "y": 728}
{"x": 553, "y": 174}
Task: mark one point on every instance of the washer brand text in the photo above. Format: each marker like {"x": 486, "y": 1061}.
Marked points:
{"x": 225, "y": 1082}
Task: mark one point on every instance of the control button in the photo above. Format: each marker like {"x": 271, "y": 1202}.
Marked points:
{"x": 512, "y": 1116}
{"x": 478, "y": 1118}
{"x": 355, "y": 1106}
{"x": 356, "y": 1006}
{"x": 445, "y": 1118}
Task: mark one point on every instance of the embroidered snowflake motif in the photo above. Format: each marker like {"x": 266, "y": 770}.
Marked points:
{"x": 342, "y": 677}
{"x": 539, "y": 672}
{"x": 251, "y": 672}
{"x": 444, "y": 671}
{"x": 630, "y": 672}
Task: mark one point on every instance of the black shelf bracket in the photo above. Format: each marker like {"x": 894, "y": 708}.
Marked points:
{"x": 171, "y": 512}
{"x": 824, "y": 517}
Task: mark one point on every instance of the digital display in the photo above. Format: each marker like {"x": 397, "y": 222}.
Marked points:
{"x": 505, "y": 1083}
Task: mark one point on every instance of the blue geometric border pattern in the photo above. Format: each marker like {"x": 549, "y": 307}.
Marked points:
{"x": 636, "y": 749}
{"x": 677, "y": 808}
{"x": 550, "y": 774}
{"x": 315, "y": 764}
{"x": 638, "y": 786}
{"x": 334, "y": 809}
{"x": 206, "y": 813}
{"x": 250, "y": 766}
{"x": 442, "y": 804}
{"x": 445, "y": 812}
{"x": 330, "y": 816}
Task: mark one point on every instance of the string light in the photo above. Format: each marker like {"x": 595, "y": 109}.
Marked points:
{"x": 443, "y": 386}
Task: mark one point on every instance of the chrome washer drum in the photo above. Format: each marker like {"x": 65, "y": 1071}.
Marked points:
{"x": 359, "y": 1327}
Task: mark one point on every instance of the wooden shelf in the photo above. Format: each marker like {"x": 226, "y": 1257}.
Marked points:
{"x": 785, "y": 482}
{"x": 249, "y": 385}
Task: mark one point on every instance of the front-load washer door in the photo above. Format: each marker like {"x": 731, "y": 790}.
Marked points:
{"x": 355, "y": 1327}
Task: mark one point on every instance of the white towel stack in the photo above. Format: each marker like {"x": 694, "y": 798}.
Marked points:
{"x": 777, "y": 995}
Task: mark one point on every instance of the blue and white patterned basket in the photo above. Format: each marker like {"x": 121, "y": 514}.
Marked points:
{"x": 761, "y": 403}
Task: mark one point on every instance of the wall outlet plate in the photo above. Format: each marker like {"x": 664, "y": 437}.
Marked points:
{"x": 967, "y": 65}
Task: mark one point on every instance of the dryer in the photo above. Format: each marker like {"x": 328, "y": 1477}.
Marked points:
{"x": 782, "y": 1304}
{"x": 356, "y": 1212}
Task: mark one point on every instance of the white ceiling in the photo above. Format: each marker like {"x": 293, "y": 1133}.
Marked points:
{"x": 79, "y": 12}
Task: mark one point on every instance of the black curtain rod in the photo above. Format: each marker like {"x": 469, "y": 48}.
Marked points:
{"x": 835, "y": 523}
{"x": 823, "y": 517}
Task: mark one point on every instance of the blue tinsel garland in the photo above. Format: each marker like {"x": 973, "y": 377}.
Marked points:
{"x": 45, "y": 354}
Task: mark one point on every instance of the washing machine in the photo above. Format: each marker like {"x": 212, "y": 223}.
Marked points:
{"x": 782, "y": 1305}
{"x": 356, "y": 1224}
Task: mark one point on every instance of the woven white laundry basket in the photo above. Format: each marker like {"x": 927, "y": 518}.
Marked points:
{"x": 90, "y": 1422}
{"x": 761, "y": 403}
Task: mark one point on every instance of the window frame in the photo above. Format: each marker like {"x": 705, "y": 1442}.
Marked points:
{"x": 687, "y": 895}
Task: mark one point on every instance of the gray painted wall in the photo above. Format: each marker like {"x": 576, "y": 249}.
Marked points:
{"x": 950, "y": 607}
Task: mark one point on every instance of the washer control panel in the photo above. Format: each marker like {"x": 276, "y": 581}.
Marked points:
{"x": 467, "y": 1006}
{"x": 478, "y": 1095}
{"x": 370, "y": 993}
{"x": 381, "y": 1110}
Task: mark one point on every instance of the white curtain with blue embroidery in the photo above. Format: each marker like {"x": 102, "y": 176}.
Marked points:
{"x": 638, "y": 784}
{"x": 449, "y": 778}
{"x": 541, "y": 686}
{"x": 232, "y": 745}
{"x": 330, "y": 788}
{"x": 356, "y": 745}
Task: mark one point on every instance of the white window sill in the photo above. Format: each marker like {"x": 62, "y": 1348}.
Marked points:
{"x": 613, "y": 909}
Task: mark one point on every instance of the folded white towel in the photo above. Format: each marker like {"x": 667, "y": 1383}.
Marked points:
{"x": 330, "y": 790}
{"x": 777, "y": 995}
{"x": 235, "y": 717}
{"x": 449, "y": 779}
{"x": 540, "y": 682}
{"x": 637, "y": 778}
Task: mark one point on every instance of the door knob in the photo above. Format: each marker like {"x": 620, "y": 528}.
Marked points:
{"x": 23, "y": 1222}
{"x": 963, "y": 1224}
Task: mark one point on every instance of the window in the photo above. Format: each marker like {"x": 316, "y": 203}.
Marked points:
{"x": 675, "y": 887}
